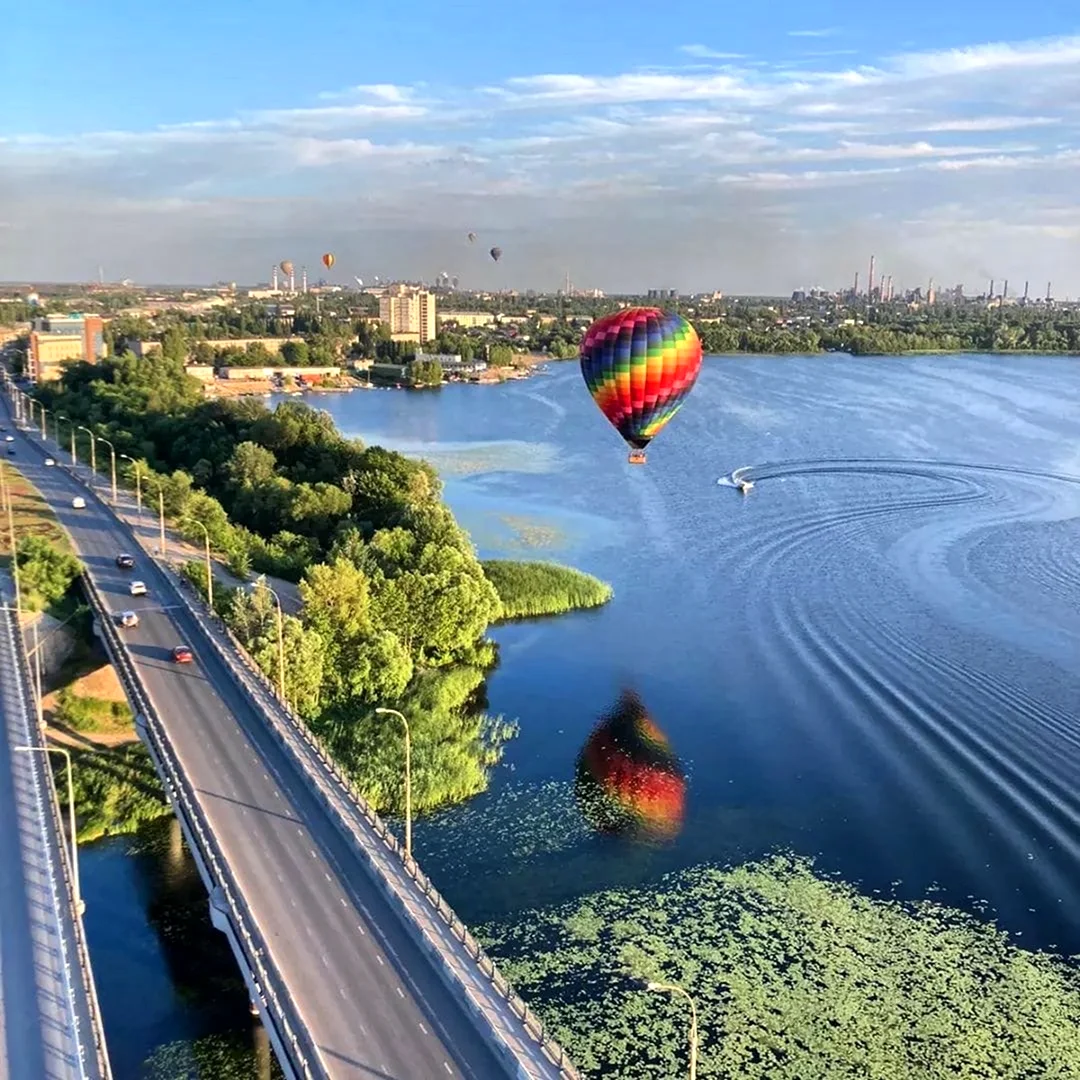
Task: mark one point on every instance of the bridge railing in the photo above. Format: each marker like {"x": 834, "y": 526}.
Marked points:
{"x": 59, "y": 852}
{"x": 285, "y": 722}
{"x": 268, "y": 981}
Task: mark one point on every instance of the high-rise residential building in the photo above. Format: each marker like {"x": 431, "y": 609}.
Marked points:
{"x": 59, "y": 338}
{"x": 409, "y": 312}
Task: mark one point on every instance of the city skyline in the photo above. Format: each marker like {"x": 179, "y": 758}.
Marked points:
{"x": 758, "y": 157}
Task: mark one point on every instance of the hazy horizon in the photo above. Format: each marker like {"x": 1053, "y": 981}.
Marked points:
{"x": 691, "y": 153}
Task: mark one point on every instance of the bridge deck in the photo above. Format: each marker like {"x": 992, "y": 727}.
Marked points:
{"x": 46, "y": 1017}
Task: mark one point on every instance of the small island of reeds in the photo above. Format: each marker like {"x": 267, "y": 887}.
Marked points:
{"x": 530, "y": 589}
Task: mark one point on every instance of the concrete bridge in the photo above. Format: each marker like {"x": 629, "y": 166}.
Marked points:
{"x": 356, "y": 964}
{"x": 50, "y": 1027}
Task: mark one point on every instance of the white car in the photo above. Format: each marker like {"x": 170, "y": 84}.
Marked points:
{"x": 79, "y": 503}
{"x": 9, "y": 438}
{"x": 49, "y": 461}
{"x": 137, "y": 588}
{"x": 128, "y": 618}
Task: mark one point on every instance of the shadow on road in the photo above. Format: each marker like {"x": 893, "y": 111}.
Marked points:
{"x": 250, "y": 806}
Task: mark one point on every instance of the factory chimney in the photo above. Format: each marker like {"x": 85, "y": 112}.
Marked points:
{"x": 1048, "y": 292}
{"x": 870, "y": 283}
{"x": 991, "y": 289}
{"x": 890, "y": 287}
{"x": 273, "y": 278}
{"x": 856, "y": 290}
{"x": 1025, "y": 293}
{"x": 1005, "y": 291}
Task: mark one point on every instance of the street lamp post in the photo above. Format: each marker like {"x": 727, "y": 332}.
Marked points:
{"x": 138, "y": 482}
{"x": 671, "y": 988}
{"x": 280, "y": 636}
{"x": 5, "y": 494}
{"x": 209, "y": 564}
{"x": 80, "y": 907}
{"x": 93, "y": 452}
{"x": 112, "y": 465}
{"x": 161, "y": 520}
{"x": 408, "y": 779}
{"x": 74, "y": 457}
{"x": 44, "y": 426}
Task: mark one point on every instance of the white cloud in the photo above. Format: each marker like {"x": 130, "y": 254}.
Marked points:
{"x": 827, "y": 32}
{"x": 700, "y": 148}
{"x": 705, "y": 53}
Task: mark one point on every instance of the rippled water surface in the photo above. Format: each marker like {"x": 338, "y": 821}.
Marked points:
{"x": 873, "y": 658}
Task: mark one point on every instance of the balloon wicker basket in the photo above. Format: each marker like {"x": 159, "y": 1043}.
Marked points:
{"x": 637, "y": 457}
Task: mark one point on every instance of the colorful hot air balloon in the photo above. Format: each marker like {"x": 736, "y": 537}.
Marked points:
{"x": 496, "y": 253}
{"x": 628, "y": 781}
{"x": 328, "y": 260}
{"x": 639, "y": 364}
{"x": 286, "y": 267}
{"x": 472, "y": 238}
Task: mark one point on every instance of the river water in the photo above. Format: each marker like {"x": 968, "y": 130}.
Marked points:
{"x": 872, "y": 659}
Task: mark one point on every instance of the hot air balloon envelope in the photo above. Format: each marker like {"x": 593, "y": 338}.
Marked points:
{"x": 496, "y": 253}
{"x": 639, "y": 364}
{"x": 628, "y": 781}
{"x": 328, "y": 260}
{"x": 286, "y": 266}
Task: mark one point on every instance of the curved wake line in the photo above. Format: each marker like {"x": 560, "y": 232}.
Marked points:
{"x": 923, "y": 468}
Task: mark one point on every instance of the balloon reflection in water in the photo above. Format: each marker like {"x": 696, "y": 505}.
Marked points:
{"x": 628, "y": 781}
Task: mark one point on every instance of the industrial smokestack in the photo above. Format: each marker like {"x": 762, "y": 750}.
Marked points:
{"x": 870, "y": 283}
{"x": 1048, "y": 292}
{"x": 303, "y": 280}
{"x": 1025, "y": 293}
{"x": 1005, "y": 291}
{"x": 273, "y": 277}
{"x": 856, "y": 292}
{"x": 991, "y": 288}
{"x": 890, "y": 288}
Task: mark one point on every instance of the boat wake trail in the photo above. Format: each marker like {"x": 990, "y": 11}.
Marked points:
{"x": 930, "y": 672}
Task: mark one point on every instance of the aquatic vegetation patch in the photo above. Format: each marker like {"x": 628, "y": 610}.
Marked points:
{"x": 532, "y": 533}
{"x": 530, "y": 589}
{"x": 796, "y": 977}
{"x": 228, "y": 1056}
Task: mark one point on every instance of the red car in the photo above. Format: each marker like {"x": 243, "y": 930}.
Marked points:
{"x": 182, "y": 655}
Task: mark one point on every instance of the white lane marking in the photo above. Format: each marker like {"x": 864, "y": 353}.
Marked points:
{"x": 401, "y": 993}
{"x": 380, "y": 959}
{"x": 446, "y": 1066}
{"x": 325, "y": 962}
{"x": 341, "y": 991}
{"x": 327, "y": 876}
{"x": 342, "y": 899}
{"x": 313, "y": 855}
{"x": 422, "y": 1028}
{"x": 299, "y": 830}
{"x": 360, "y": 928}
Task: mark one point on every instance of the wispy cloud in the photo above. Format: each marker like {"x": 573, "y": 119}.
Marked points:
{"x": 547, "y": 161}
{"x": 824, "y": 33}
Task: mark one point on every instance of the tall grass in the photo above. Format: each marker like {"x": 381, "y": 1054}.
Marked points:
{"x": 530, "y": 589}
{"x": 115, "y": 791}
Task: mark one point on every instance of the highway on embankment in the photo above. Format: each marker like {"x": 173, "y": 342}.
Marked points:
{"x": 373, "y": 1001}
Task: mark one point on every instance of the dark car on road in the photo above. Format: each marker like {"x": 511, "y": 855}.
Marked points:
{"x": 182, "y": 655}
{"x": 125, "y": 562}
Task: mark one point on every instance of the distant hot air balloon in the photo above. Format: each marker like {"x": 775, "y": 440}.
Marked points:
{"x": 639, "y": 364}
{"x": 627, "y": 779}
{"x": 472, "y": 238}
{"x": 286, "y": 267}
{"x": 328, "y": 260}
{"x": 496, "y": 253}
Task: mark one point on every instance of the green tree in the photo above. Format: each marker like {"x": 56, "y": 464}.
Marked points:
{"x": 45, "y": 572}
{"x": 295, "y": 354}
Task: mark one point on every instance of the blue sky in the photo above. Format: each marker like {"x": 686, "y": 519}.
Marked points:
{"x": 758, "y": 147}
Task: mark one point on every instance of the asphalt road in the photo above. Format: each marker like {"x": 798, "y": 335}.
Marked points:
{"x": 371, "y": 998}
{"x": 38, "y": 1005}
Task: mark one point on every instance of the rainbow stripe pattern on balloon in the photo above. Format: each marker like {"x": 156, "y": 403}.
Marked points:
{"x": 639, "y": 364}
{"x": 628, "y": 781}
